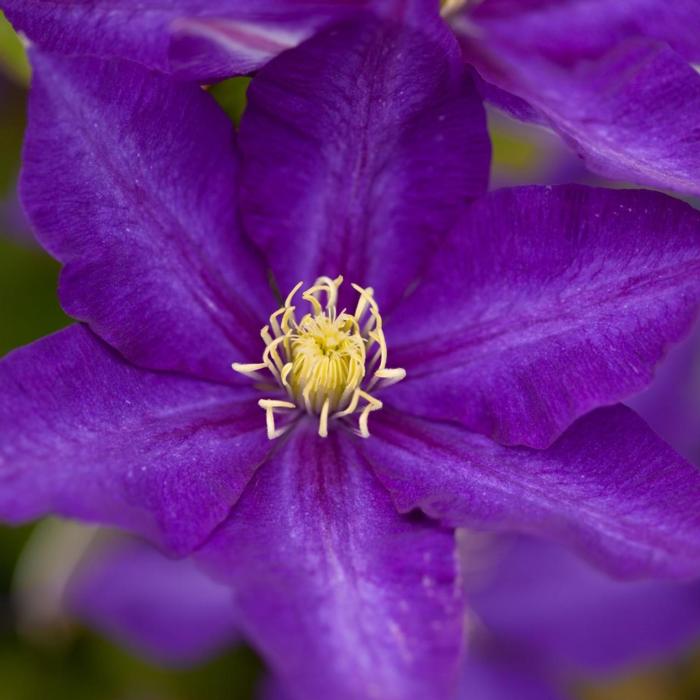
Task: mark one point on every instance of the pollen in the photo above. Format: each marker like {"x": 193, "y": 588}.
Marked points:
{"x": 328, "y": 363}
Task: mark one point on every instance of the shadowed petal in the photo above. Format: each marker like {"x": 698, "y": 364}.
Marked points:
{"x": 600, "y": 74}
{"x": 358, "y": 148}
{"x": 87, "y": 435}
{"x": 129, "y": 180}
{"x": 344, "y": 598}
{"x": 549, "y": 604}
{"x": 543, "y": 304}
{"x": 166, "y": 609}
{"x": 609, "y": 487}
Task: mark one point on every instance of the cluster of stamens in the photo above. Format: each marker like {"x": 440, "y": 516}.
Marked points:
{"x": 326, "y": 364}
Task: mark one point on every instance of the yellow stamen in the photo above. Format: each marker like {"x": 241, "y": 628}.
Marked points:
{"x": 320, "y": 363}
{"x": 270, "y": 406}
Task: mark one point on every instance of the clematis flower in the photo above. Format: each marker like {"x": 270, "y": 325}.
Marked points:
{"x": 510, "y": 325}
{"x": 617, "y": 84}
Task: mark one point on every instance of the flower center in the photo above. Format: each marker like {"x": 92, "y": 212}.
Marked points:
{"x": 328, "y": 360}
{"x": 327, "y": 363}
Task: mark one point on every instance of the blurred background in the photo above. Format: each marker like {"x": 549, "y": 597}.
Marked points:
{"x": 46, "y": 651}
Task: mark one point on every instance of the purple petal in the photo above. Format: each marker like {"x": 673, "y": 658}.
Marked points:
{"x": 544, "y": 303}
{"x": 343, "y": 142}
{"x": 599, "y": 76}
{"x": 569, "y": 30}
{"x": 144, "y": 219}
{"x": 485, "y": 678}
{"x": 204, "y": 40}
{"x": 551, "y": 605}
{"x": 143, "y": 31}
{"x": 167, "y": 610}
{"x": 98, "y": 28}
{"x": 345, "y": 598}
{"x": 609, "y": 487}
{"x": 88, "y": 436}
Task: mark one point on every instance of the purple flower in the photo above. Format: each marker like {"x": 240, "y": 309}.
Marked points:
{"x": 520, "y": 320}
{"x": 617, "y": 84}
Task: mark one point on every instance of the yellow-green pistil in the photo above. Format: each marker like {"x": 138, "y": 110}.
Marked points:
{"x": 328, "y": 362}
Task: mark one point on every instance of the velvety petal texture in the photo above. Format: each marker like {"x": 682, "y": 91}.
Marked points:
{"x": 344, "y": 598}
{"x": 351, "y": 131}
{"x": 551, "y": 606}
{"x": 167, "y": 610}
{"x": 544, "y": 303}
{"x": 600, "y": 74}
{"x": 89, "y": 436}
{"x": 609, "y": 487}
{"x": 129, "y": 180}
